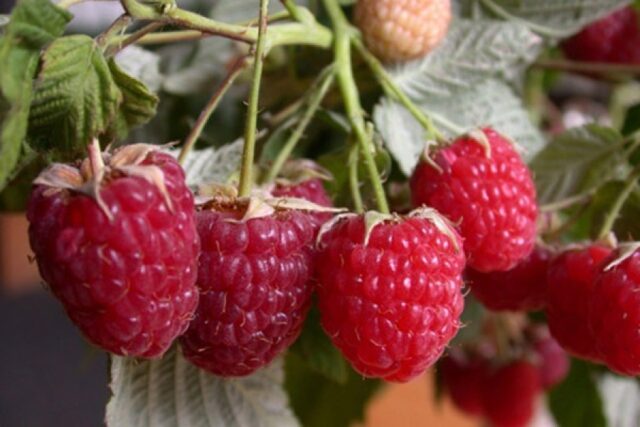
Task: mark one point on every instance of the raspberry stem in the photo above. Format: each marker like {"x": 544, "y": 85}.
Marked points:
{"x": 342, "y": 52}
{"x": 394, "y": 92}
{"x": 246, "y": 173}
{"x": 204, "y": 116}
{"x": 316, "y": 95}
{"x": 120, "y": 42}
{"x": 618, "y": 204}
{"x": 354, "y": 182}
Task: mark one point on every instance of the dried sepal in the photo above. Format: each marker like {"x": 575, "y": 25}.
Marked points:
{"x": 624, "y": 252}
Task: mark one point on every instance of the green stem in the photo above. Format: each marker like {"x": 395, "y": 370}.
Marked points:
{"x": 393, "y": 91}
{"x": 317, "y": 94}
{"x": 293, "y": 10}
{"x": 246, "y": 173}
{"x": 354, "y": 181}
{"x": 120, "y": 43}
{"x": 115, "y": 29}
{"x": 342, "y": 51}
{"x": 213, "y": 103}
{"x": 66, "y": 4}
{"x": 618, "y": 204}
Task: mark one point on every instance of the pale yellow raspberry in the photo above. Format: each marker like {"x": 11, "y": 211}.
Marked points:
{"x": 399, "y": 30}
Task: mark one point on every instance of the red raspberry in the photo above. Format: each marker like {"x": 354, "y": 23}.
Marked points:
{"x": 490, "y": 194}
{"x": 520, "y": 289}
{"x": 128, "y": 282}
{"x": 553, "y": 362}
{"x": 311, "y": 190}
{"x": 614, "y": 38}
{"x": 463, "y": 379}
{"x": 255, "y": 288}
{"x": 398, "y": 30}
{"x": 615, "y": 315}
{"x": 510, "y": 394}
{"x": 570, "y": 286}
{"x": 393, "y": 303}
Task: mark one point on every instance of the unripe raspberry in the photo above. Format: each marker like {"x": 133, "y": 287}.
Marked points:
{"x": 553, "y": 362}
{"x": 614, "y": 314}
{"x": 390, "y": 302}
{"x": 522, "y": 288}
{"x": 463, "y": 378}
{"x": 570, "y": 284}
{"x": 399, "y": 30}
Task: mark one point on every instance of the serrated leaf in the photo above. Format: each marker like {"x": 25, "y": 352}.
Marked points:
{"x": 577, "y": 161}
{"x": 138, "y": 103}
{"x": 551, "y": 18}
{"x": 75, "y": 96}
{"x": 141, "y": 64}
{"x": 171, "y": 392}
{"x": 317, "y": 352}
{"x": 472, "y": 52}
{"x": 576, "y": 402}
{"x": 19, "y": 55}
{"x": 492, "y": 103}
{"x": 212, "y": 164}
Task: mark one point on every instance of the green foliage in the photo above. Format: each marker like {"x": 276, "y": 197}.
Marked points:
{"x": 33, "y": 24}
{"x": 76, "y": 97}
{"x": 576, "y": 161}
{"x": 576, "y": 402}
{"x": 172, "y": 392}
{"x": 317, "y": 352}
{"x": 320, "y": 402}
{"x": 138, "y": 103}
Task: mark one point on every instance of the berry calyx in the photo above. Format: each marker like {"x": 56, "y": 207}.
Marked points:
{"x": 570, "y": 285}
{"x": 399, "y": 30}
{"x": 614, "y": 314}
{"x": 254, "y": 277}
{"x": 522, "y": 288}
{"x": 614, "y": 39}
{"x": 114, "y": 238}
{"x": 481, "y": 184}
{"x": 390, "y": 290}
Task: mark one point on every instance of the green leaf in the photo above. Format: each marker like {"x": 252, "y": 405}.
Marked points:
{"x": 141, "y": 64}
{"x": 626, "y": 226}
{"x": 212, "y": 164}
{"x": 490, "y": 103}
{"x": 320, "y": 402}
{"x": 317, "y": 352}
{"x": 75, "y": 95}
{"x": 171, "y": 392}
{"x": 576, "y": 402}
{"x": 138, "y": 103}
{"x": 33, "y": 23}
{"x": 577, "y": 161}
{"x": 472, "y": 52}
{"x": 551, "y": 18}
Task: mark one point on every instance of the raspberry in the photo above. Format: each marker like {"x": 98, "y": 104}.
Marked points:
{"x": 390, "y": 304}
{"x": 463, "y": 379}
{"x": 484, "y": 186}
{"x": 510, "y": 394}
{"x": 553, "y": 362}
{"x": 520, "y": 289}
{"x": 311, "y": 190}
{"x": 255, "y": 288}
{"x": 615, "y": 315}
{"x": 570, "y": 284}
{"x": 127, "y": 282}
{"x": 614, "y": 38}
{"x": 399, "y": 30}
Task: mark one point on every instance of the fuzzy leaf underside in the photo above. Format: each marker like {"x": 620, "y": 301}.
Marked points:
{"x": 75, "y": 96}
{"x": 212, "y": 164}
{"x": 492, "y": 103}
{"x": 171, "y": 392}
{"x": 472, "y": 52}
{"x": 577, "y": 161}
{"x": 554, "y": 19}
{"x": 33, "y": 24}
